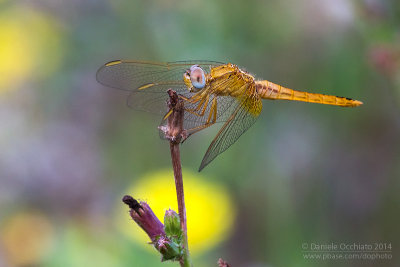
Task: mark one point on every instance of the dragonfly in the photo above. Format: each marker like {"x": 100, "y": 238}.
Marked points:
{"x": 212, "y": 92}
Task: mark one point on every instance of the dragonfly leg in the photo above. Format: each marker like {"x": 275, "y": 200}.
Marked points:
{"x": 213, "y": 112}
{"x": 212, "y": 118}
{"x": 201, "y": 106}
{"x": 205, "y": 104}
{"x": 193, "y": 99}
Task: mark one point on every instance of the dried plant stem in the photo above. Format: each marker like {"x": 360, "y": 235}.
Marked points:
{"x": 176, "y": 164}
{"x": 175, "y": 133}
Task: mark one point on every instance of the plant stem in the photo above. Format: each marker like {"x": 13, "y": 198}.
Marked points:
{"x": 176, "y": 164}
{"x": 175, "y": 133}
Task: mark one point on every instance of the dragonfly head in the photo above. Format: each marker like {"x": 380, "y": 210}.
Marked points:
{"x": 195, "y": 78}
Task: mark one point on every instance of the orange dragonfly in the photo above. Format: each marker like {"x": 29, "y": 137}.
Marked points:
{"x": 212, "y": 92}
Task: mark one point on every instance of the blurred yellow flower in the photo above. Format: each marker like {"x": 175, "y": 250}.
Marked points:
{"x": 26, "y": 239}
{"x": 29, "y": 46}
{"x": 209, "y": 209}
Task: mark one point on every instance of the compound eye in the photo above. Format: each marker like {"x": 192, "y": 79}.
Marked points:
{"x": 197, "y": 77}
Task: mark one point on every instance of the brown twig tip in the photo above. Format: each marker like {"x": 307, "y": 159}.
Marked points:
{"x": 173, "y": 98}
{"x": 173, "y": 130}
{"x": 222, "y": 263}
{"x": 132, "y": 203}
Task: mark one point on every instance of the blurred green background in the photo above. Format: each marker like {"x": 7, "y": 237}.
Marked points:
{"x": 304, "y": 173}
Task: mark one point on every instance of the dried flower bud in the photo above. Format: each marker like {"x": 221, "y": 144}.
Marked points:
{"x": 142, "y": 214}
{"x": 168, "y": 245}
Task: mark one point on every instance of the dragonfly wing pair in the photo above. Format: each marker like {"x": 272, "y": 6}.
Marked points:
{"x": 148, "y": 83}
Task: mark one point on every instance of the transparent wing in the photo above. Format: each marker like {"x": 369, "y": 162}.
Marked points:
{"x": 154, "y": 99}
{"x": 131, "y": 75}
{"x": 148, "y": 81}
{"x": 239, "y": 121}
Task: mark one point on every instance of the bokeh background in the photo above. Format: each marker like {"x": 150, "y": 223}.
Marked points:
{"x": 304, "y": 173}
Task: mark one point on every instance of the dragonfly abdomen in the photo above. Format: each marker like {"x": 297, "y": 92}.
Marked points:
{"x": 269, "y": 90}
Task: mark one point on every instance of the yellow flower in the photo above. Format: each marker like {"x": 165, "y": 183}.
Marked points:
{"x": 29, "y": 46}
{"x": 209, "y": 209}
